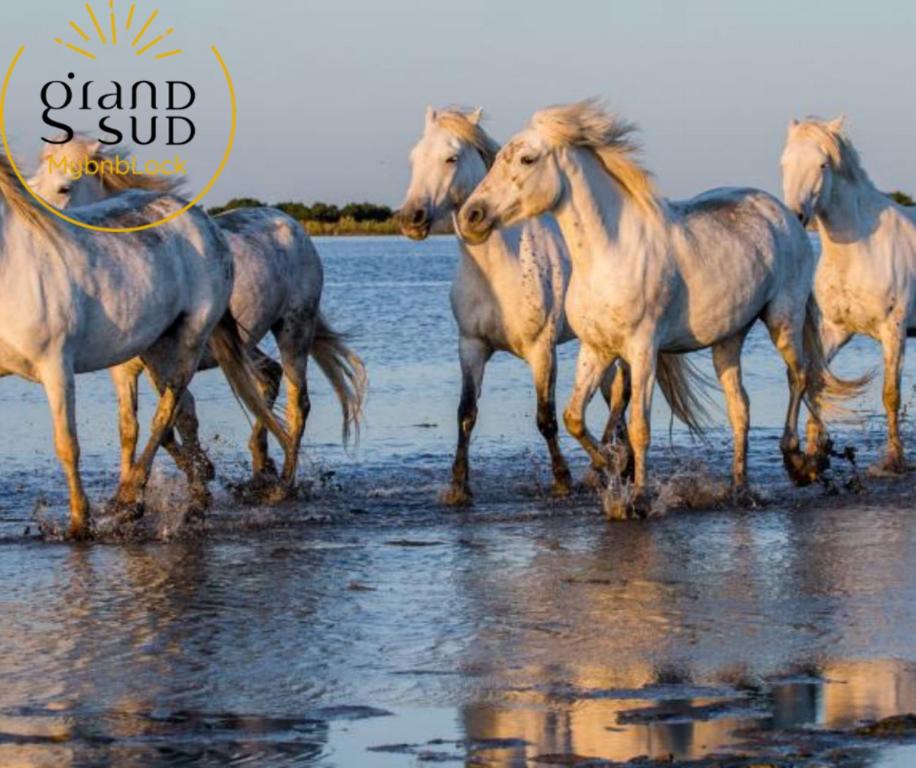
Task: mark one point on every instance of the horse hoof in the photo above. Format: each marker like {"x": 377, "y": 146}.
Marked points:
{"x": 277, "y": 493}
{"x": 80, "y": 531}
{"x": 745, "y": 498}
{"x": 621, "y": 508}
{"x": 892, "y": 465}
{"x": 803, "y": 469}
{"x": 595, "y": 479}
{"x": 561, "y": 489}
{"x": 457, "y": 496}
{"x": 124, "y": 512}
{"x": 195, "y": 515}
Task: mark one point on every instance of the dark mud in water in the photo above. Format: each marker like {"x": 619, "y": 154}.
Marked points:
{"x": 365, "y": 625}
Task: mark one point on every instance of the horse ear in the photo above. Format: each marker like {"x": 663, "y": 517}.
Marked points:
{"x": 837, "y": 124}
{"x": 793, "y": 123}
{"x": 431, "y": 115}
{"x": 49, "y": 147}
{"x": 94, "y": 147}
{"x": 475, "y": 116}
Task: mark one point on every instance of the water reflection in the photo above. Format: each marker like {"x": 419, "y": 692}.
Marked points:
{"x": 560, "y": 635}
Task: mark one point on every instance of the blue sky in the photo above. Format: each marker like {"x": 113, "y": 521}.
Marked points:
{"x": 331, "y": 95}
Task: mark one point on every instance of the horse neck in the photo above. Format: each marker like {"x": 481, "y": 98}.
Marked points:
{"x": 595, "y": 215}
{"x": 493, "y": 257}
{"x": 850, "y": 212}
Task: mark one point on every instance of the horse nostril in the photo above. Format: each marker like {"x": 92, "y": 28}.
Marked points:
{"x": 801, "y": 216}
{"x": 418, "y": 217}
{"x": 475, "y": 214}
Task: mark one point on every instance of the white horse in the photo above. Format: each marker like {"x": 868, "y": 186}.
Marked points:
{"x": 78, "y": 301}
{"x": 651, "y": 276}
{"x": 866, "y": 277}
{"x": 508, "y": 293}
{"x": 277, "y": 288}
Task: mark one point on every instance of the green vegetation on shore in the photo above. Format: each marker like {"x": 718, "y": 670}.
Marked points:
{"x": 328, "y": 219}
{"x": 901, "y": 198}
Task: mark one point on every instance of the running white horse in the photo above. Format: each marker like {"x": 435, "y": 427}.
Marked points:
{"x": 866, "y": 277}
{"x": 651, "y": 276}
{"x": 79, "y": 301}
{"x": 277, "y": 288}
{"x": 508, "y": 293}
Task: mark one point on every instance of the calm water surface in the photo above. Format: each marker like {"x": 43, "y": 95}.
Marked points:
{"x": 367, "y": 626}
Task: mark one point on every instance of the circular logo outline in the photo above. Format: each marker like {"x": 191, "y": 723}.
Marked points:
{"x": 175, "y": 214}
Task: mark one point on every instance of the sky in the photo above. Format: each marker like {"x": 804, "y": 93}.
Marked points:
{"x": 332, "y": 94}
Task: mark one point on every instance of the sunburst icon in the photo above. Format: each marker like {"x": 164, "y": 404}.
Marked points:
{"x": 109, "y": 36}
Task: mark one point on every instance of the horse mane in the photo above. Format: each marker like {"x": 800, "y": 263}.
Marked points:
{"x": 587, "y": 124}
{"x": 21, "y": 205}
{"x": 458, "y": 122}
{"x": 829, "y": 135}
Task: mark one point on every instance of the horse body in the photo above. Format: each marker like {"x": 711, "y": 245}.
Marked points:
{"x": 276, "y": 289}
{"x": 107, "y": 298}
{"x": 865, "y": 281}
{"x": 651, "y": 277}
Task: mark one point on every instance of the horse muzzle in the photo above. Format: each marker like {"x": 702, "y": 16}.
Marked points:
{"x": 475, "y": 222}
{"x": 415, "y": 221}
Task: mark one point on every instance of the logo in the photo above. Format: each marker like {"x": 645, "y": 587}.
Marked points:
{"x": 124, "y": 77}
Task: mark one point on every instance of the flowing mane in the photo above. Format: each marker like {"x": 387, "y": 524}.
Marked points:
{"x": 458, "y": 122}
{"x": 82, "y": 148}
{"x": 21, "y": 205}
{"x": 830, "y": 137}
{"x": 587, "y": 124}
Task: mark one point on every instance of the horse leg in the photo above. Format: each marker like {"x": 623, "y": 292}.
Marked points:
{"x": 124, "y": 377}
{"x": 787, "y": 338}
{"x": 189, "y": 456}
{"x": 171, "y": 362}
{"x": 473, "y": 354}
{"x": 543, "y": 364}
{"x": 893, "y": 340}
{"x": 590, "y": 367}
{"x": 261, "y": 462}
{"x": 615, "y": 387}
{"x": 833, "y": 337}
{"x": 188, "y": 428}
{"x": 294, "y": 342}
{"x": 726, "y": 357}
{"x": 60, "y": 391}
{"x": 642, "y": 372}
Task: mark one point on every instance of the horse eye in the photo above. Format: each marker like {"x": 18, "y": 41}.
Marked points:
{"x": 63, "y": 191}
{"x": 452, "y": 159}
{"x": 823, "y": 165}
{"x": 527, "y": 160}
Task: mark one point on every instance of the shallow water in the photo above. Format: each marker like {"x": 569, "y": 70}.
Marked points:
{"x": 366, "y": 625}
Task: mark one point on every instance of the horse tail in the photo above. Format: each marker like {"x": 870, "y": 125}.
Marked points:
{"x": 685, "y": 388}
{"x": 345, "y": 371}
{"x": 825, "y": 388}
{"x": 244, "y": 376}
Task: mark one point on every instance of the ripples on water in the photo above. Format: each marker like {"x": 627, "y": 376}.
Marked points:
{"x": 367, "y": 626}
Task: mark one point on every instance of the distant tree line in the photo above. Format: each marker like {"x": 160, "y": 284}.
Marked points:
{"x": 326, "y": 213}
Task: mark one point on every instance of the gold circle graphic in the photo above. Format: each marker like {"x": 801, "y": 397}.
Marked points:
{"x": 175, "y": 214}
